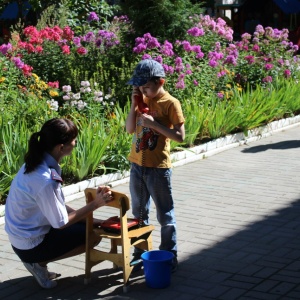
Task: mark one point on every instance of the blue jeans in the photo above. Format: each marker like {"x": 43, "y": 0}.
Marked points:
{"x": 146, "y": 183}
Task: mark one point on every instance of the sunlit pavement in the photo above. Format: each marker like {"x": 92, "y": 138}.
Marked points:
{"x": 238, "y": 219}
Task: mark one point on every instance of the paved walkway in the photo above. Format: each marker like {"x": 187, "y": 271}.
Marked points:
{"x": 238, "y": 215}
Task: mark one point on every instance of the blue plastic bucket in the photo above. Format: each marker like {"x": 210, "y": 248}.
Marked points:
{"x": 157, "y": 268}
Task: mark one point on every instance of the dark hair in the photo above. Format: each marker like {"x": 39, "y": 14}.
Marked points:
{"x": 155, "y": 79}
{"x": 54, "y": 132}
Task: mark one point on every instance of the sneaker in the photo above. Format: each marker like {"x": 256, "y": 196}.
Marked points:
{"x": 174, "y": 264}
{"x": 41, "y": 275}
{"x": 53, "y": 275}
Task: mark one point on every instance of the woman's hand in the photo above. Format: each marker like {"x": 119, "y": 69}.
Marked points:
{"x": 103, "y": 196}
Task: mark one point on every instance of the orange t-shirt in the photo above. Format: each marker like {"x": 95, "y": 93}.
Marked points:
{"x": 150, "y": 148}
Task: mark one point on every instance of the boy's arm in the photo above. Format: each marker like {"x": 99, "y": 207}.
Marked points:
{"x": 131, "y": 118}
{"x": 177, "y": 133}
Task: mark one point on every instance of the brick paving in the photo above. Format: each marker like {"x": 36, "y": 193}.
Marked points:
{"x": 238, "y": 218}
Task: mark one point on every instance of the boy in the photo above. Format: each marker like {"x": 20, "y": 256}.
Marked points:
{"x": 150, "y": 174}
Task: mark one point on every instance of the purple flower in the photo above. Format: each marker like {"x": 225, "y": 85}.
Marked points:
{"x": 220, "y": 95}
{"x": 180, "y": 84}
{"x": 18, "y": 62}
{"x": 287, "y": 73}
{"x": 195, "y": 82}
{"x": 168, "y": 69}
{"x": 139, "y": 48}
{"x": 146, "y": 56}
{"x": 187, "y": 46}
{"x": 167, "y": 49}
{"x": 98, "y": 43}
{"x": 221, "y": 74}
{"x": 250, "y": 59}
{"x": 196, "y": 49}
{"x": 159, "y": 59}
{"x": 77, "y": 41}
{"x": 213, "y": 63}
{"x": 5, "y": 48}
{"x": 195, "y": 31}
{"x": 200, "y": 55}
{"x": 178, "y": 60}
{"x": 92, "y": 17}
{"x": 268, "y": 67}
{"x": 267, "y": 79}
{"x": 230, "y": 60}
{"x": 89, "y": 37}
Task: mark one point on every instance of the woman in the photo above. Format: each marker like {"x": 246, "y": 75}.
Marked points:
{"x": 40, "y": 226}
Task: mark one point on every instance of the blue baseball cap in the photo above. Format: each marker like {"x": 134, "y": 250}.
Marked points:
{"x": 145, "y": 70}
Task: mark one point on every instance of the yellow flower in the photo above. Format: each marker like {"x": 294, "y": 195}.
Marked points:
{"x": 53, "y": 93}
{"x": 2, "y": 79}
{"x": 35, "y": 77}
{"x": 111, "y": 116}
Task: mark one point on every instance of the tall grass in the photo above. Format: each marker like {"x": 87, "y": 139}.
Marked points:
{"x": 103, "y": 144}
{"x": 14, "y": 138}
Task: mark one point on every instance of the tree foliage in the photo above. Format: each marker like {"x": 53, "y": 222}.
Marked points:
{"x": 164, "y": 19}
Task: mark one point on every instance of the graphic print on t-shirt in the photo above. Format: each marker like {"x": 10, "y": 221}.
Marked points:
{"x": 147, "y": 139}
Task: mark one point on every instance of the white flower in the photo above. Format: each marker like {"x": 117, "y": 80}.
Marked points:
{"x": 98, "y": 94}
{"x": 98, "y": 99}
{"x": 85, "y": 83}
{"x": 76, "y": 96}
{"x": 81, "y": 104}
{"x": 73, "y": 103}
{"x": 66, "y": 88}
{"x": 107, "y": 96}
{"x": 53, "y": 104}
{"x": 66, "y": 97}
{"x": 88, "y": 90}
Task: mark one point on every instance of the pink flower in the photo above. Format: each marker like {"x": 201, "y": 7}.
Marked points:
{"x": 68, "y": 34}
{"x": 255, "y": 48}
{"x": 27, "y": 69}
{"x": 250, "y": 59}
{"x": 65, "y": 49}
{"x": 82, "y": 51}
{"x": 54, "y": 84}
{"x": 287, "y": 73}
{"x": 39, "y": 49}
{"x": 268, "y": 67}
{"x": 267, "y": 79}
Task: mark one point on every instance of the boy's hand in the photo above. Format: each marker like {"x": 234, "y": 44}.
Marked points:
{"x": 136, "y": 93}
{"x": 146, "y": 120}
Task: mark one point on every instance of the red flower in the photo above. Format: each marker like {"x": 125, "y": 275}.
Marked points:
{"x": 39, "y": 49}
{"x": 27, "y": 69}
{"x": 81, "y": 51}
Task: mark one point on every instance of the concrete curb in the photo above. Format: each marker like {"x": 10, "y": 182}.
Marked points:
{"x": 76, "y": 191}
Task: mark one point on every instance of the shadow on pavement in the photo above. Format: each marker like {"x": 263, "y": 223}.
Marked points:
{"x": 258, "y": 261}
{"x": 279, "y": 146}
